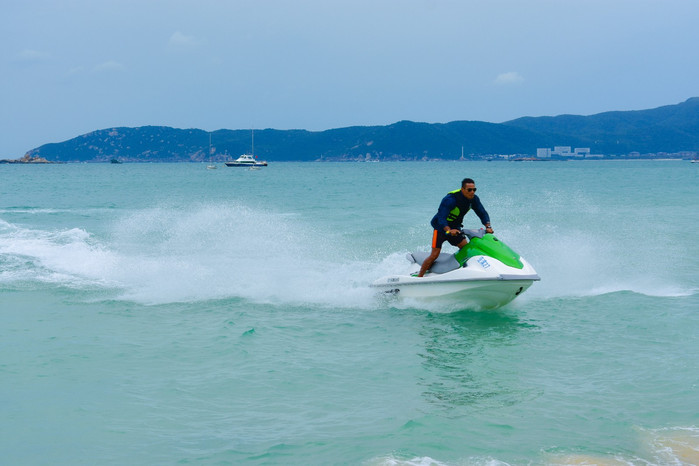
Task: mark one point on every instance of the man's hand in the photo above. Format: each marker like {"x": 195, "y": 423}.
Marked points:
{"x": 489, "y": 229}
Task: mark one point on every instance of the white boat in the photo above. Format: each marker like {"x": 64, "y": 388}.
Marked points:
{"x": 484, "y": 274}
{"x": 247, "y": 160}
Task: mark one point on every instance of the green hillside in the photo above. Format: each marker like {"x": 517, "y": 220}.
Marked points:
{"x": 671, "y": 128}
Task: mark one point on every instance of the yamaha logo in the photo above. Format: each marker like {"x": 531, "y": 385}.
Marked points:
{"x": 484, "y": 263}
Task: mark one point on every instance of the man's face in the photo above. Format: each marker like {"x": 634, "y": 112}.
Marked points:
{"x": 469, "y": 190}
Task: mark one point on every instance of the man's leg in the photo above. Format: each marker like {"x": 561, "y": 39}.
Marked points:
{"x": 427, "y": 263}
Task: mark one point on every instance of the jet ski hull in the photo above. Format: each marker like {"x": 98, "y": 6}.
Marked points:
{"x": 479, "y": 294}
{"x": 473, "y": 280}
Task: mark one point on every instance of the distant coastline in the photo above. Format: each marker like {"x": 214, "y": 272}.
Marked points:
{"x": 654, "y": 158}
{"x": 661, "y": 157}
{"x": 668, "y": 132}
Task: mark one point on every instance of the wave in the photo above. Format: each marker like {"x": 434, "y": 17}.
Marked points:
{"x": 673, "y": 445}
{"x": 30, "y": 210}
{"x": 50, "y": 211}
{"x": 168, "y": 254}
{"x": 69, "y": 257}
{"x": 164, "y": 255}
{"x": 587, "y": 262}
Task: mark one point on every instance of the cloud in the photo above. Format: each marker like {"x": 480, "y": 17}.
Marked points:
{"x": 76, "y": 70}
{"x": 509, "y": 78}
{"x": 33, "y": 56}
{"x": 110, "y": 65}
{"x": 180, "y": 40}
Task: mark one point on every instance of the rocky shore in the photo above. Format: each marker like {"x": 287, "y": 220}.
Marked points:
{"x": 26, "y": 159}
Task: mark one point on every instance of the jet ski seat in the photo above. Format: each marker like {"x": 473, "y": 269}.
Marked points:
{"x": 445, "y": 262}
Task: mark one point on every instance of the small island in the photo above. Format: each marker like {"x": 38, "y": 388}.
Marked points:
{"x": 26, "y": 159}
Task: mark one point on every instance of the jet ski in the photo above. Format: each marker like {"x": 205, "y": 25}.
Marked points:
{"x": 484, "y": 274}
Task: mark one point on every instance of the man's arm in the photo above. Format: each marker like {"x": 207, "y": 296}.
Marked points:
{"x": 439, "y": 221}
{"x": 481, "y": 212}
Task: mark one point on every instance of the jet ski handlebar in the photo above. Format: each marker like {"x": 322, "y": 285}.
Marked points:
{"x": 474, "y": 233}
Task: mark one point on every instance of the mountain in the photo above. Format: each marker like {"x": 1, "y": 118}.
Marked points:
{"x": 672, "y": 128}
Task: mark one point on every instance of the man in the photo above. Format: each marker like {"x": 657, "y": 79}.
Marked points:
{"x": 448, "y": 221}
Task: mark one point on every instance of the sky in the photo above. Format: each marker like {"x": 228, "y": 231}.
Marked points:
{"x": 69, "y": 67}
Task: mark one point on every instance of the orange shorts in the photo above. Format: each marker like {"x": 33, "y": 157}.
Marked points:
{"x": 439, "y": 237}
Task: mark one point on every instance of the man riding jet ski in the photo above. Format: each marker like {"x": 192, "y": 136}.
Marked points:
{"x": 485, "y": 273}
{"x": 448, "y": 220}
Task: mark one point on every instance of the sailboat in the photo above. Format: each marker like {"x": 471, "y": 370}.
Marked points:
{"x": 247, "y": 160}
{"x": 210, "y": 166}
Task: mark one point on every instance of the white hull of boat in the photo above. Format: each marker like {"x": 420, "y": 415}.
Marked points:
{"x": 485, "y": 283}
{"x": 246, "y": 164}
{"x": 246, "y": 160}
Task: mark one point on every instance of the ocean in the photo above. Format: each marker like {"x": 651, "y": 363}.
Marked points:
{"x": 170, "y": 314}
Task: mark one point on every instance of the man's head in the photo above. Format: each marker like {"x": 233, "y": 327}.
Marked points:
{"x": 468, "y": 188}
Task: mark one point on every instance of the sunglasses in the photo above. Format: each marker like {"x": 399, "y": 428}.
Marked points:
{"x": 471, "y": 190}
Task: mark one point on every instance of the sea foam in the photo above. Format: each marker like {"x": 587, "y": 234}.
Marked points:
{"x": 167, "y": 254}
{"x": 163, "y": 255}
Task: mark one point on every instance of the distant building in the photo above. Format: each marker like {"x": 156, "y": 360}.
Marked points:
{"x": 566, "y": 151}
{"x": 563, "y": 151}
{"x": 543, "y": 153}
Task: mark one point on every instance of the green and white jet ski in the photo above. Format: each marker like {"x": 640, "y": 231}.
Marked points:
{"x": 484, "y": 274}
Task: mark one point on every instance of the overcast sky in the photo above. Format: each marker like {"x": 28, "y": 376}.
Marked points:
{"x": 68, "y": 67}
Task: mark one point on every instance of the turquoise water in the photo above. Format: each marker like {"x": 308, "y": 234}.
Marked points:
{"x": 165, "y": 314}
